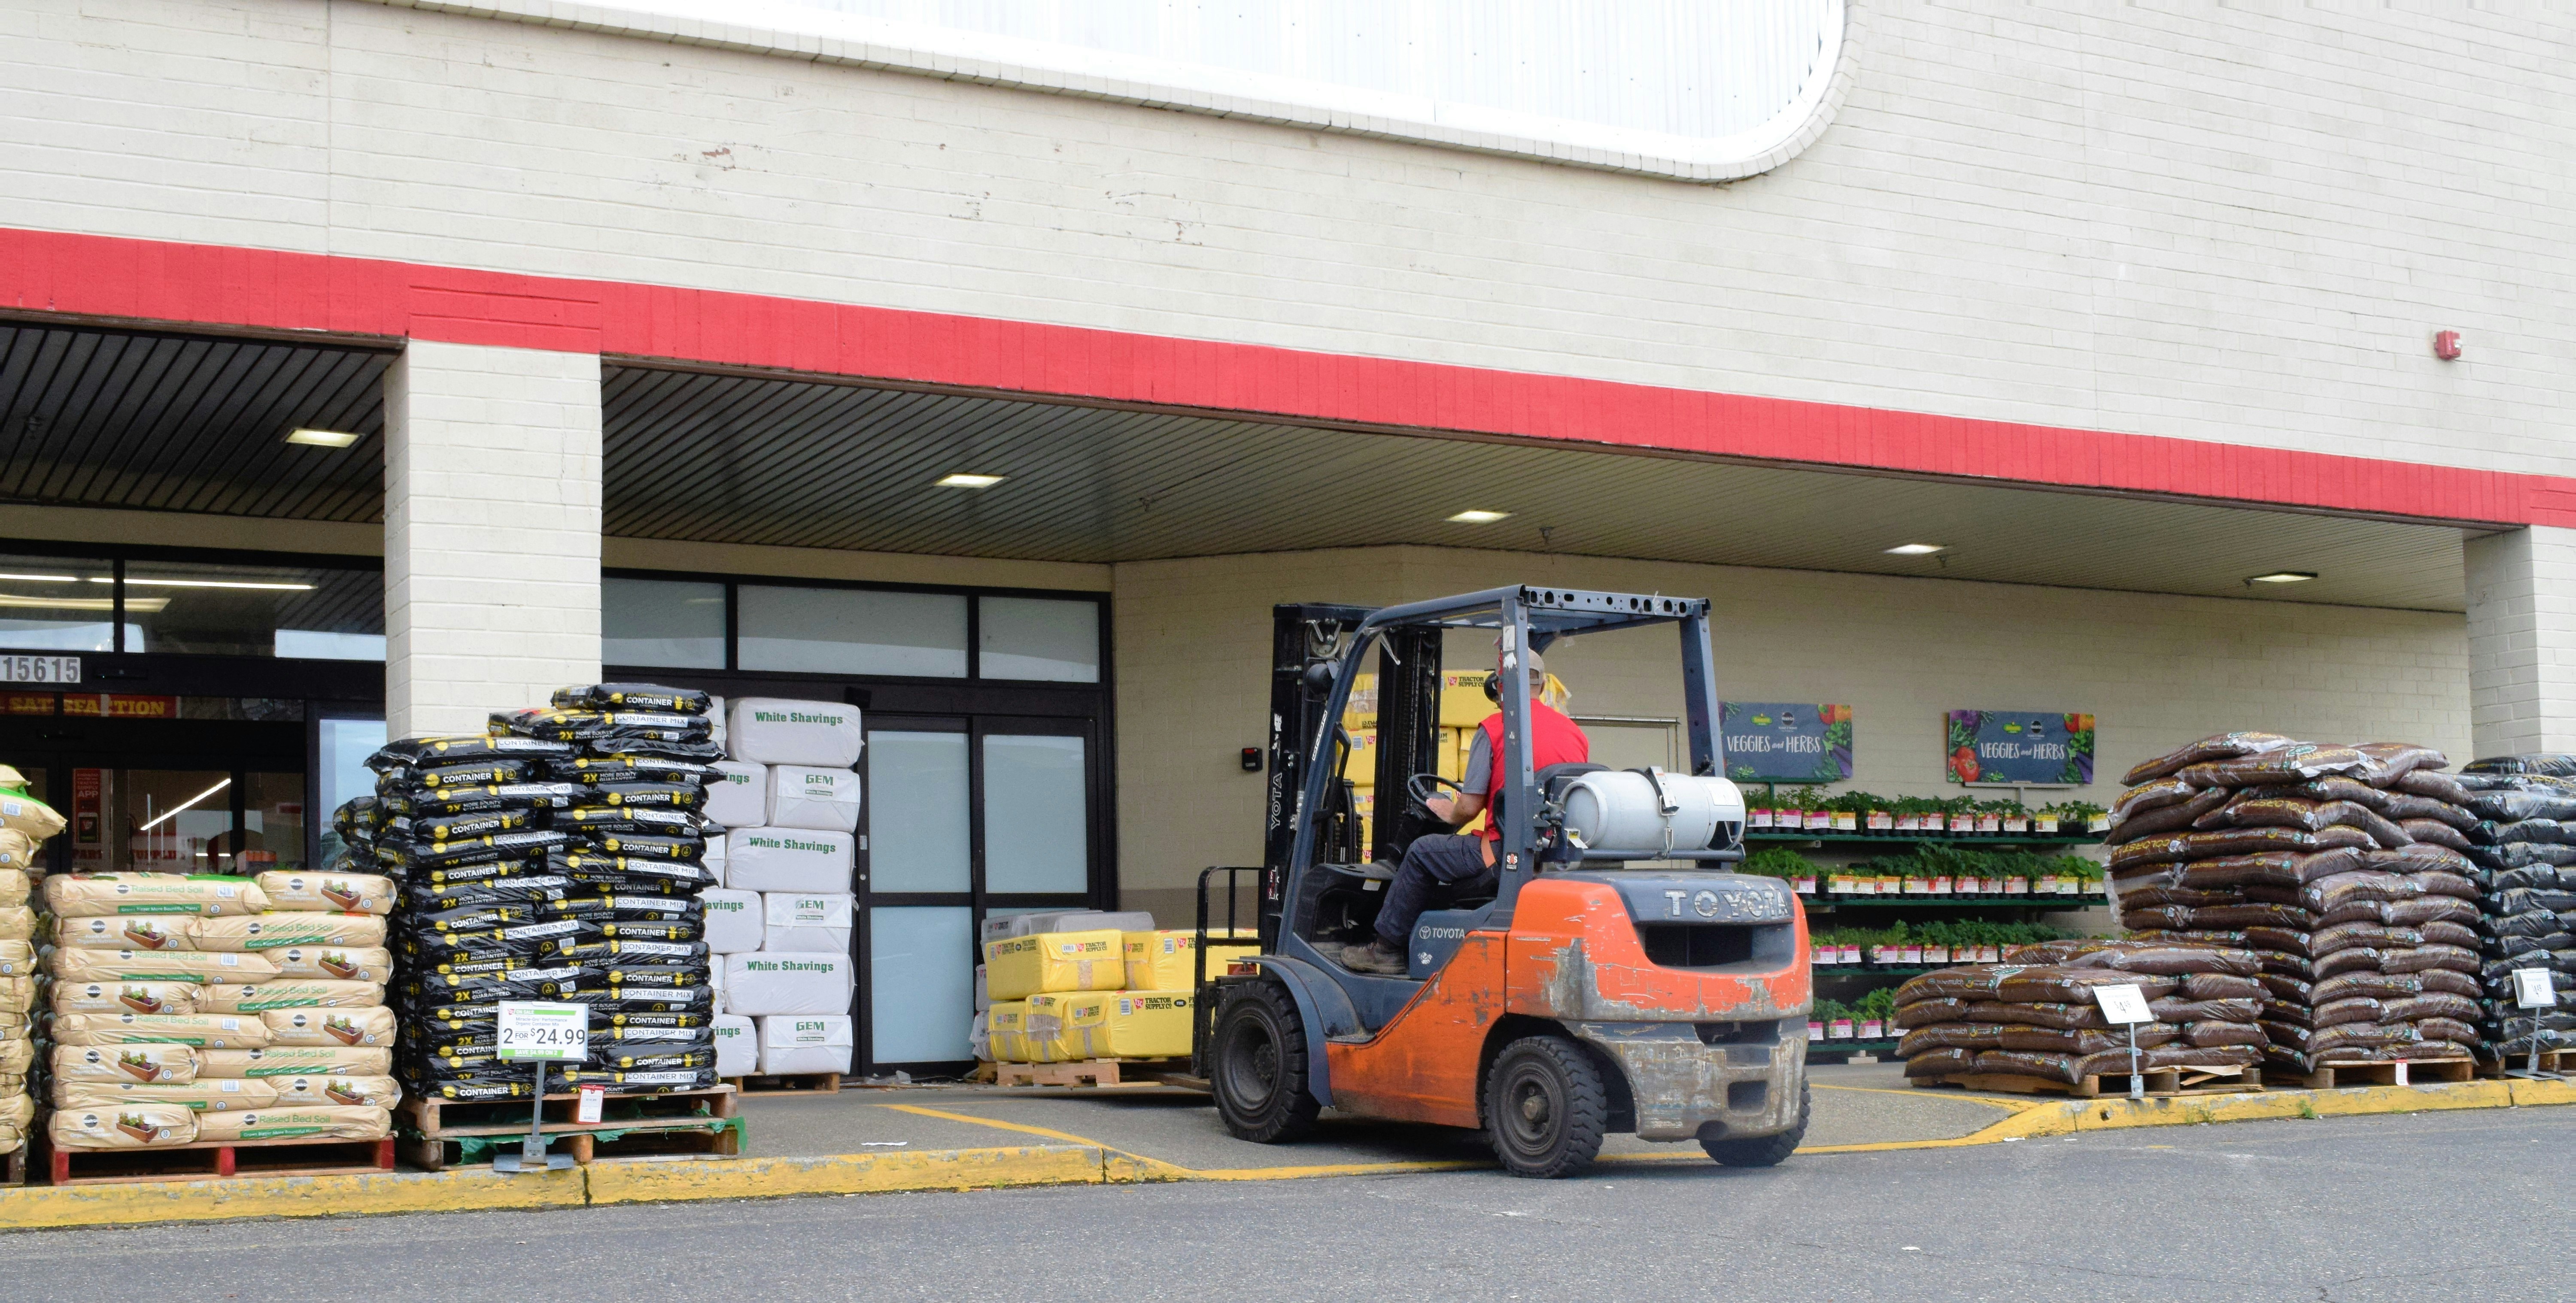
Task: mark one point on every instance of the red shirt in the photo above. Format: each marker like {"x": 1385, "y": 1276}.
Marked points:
{"x": 1554, "y": 740}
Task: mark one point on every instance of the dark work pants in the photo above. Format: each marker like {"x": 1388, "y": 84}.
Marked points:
{"x": 1437, "y": 870}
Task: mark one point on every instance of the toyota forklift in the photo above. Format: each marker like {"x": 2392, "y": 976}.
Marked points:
{"x": 1621, "y": 979}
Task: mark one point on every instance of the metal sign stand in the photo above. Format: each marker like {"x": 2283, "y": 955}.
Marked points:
{"x": 532, "y": 1155}
{"x": 535, "y": 1031}
{"x": 2127, "y": 1005}
{"x": 2534, "y": 990}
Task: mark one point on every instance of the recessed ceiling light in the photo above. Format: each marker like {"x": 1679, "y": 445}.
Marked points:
{"x": 968, "y": 481}
{"x": 2283, "y": 577}
{"x": 1478, "y": 517}
{"x": 323, "y": 438}
{"x": 1917, "y": 549}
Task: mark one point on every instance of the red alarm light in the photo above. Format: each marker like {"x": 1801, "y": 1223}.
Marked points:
{"x": 2446, "y": 345}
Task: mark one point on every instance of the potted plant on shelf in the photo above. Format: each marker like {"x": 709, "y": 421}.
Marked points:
{"x": 1875, "y": 1012}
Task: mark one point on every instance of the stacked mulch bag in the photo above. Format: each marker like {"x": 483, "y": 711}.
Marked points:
{"x": 2345, "y": 869}
{"x": 2526, "y": 838}
{"x": 557, "y": 858}
{"x": 2036, "y": 1016}
{"x": 25, "y": 824}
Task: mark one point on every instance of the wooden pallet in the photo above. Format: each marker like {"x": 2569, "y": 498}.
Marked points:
{"x": 2161, "y": 1083}
{"x": 1096, "y": 1073}
{"x": 681, "y": 1122}
{"x": 199, "y": 1162}
{"x": 2559, "y": 1061}
{"x": 788, "y": 1083}
{"x": 2405, "y": 1072}
{"x": 710, "y": 1137}
{"x": 20, "y": 1158}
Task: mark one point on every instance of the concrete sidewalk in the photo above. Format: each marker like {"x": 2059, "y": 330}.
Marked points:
{"x": 1853, "y": 1105}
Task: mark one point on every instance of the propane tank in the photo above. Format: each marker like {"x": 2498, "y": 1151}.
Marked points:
{"x": 1649, "y": 812}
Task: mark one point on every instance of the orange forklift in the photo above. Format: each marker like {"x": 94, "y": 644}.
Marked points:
{"x": 1621, "y": 979}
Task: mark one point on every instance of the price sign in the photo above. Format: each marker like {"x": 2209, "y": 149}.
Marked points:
{"x": 2123, "y": 1005}
{"x": 544, "y": 1031}
{"x": 2532, "y": 989}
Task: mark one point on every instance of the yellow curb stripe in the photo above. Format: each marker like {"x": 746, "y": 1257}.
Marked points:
{"x": 212, "y": 1199}
{"x": 1334, "y": 1169}
{"x": 687, "y": 1178}
{"x": 1992, "y": 1101}
{"x": 1120, "y": 1165}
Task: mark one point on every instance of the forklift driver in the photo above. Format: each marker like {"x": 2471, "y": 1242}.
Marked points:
{"x": 1447, "y": 868}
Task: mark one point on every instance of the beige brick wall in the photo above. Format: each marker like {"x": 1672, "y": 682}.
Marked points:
{"x": 1193, "y": 656}
{"x": 2232, "y": 223}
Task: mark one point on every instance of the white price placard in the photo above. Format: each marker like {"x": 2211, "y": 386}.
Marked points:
{"x": 2123, "y": 1005}
{"x": 2533, "y": 989}
{"x": 544, "y": 1031}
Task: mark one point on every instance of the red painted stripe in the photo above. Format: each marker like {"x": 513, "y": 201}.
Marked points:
{"x": 215, "y": 285}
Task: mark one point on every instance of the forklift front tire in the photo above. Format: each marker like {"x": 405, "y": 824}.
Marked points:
{"x": 1762, "y": 1151}
{"x": 1259, "y": 1071}
{"x": 1545, "y": 1107}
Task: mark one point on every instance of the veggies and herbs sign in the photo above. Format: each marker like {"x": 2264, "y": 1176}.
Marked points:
{"x": 2020, "y": 746}
{"x": 1785, "y": 741}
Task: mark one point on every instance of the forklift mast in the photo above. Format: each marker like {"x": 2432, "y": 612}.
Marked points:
{"x": 1308, "y": 641}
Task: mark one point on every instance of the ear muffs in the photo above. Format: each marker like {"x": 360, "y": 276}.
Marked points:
{"x": 1494, "y": 688}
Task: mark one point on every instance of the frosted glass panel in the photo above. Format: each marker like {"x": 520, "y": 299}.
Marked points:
{"x": 660, "y": 622}
{"x": 1038, "y": 638}
{"x": 1037, "y": 826}
{"x": 917, "y": 819}
{"x": 345, "y": 745}
{"x": 853, "y": 631}
{"x": 921, "y": 982}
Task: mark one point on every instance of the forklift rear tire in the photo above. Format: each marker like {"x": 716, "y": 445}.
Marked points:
{"x": 1259, "y": 1072}
{"x": 1762, "y": 1151}
{"x": 1545, "y": 1107}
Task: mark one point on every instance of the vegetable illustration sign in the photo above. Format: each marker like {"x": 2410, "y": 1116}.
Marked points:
{"x": 1785, "y": 742}
{"x": 2019, "y": 746}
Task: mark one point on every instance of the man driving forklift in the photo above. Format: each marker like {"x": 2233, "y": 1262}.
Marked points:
{"x": 1443, "y": 869}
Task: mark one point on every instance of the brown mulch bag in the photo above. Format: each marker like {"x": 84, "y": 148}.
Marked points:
{"x": 2221, "y": 842}
{"x": 2390, "y": 761}
{"x": 2204, "y": 1056}
{"x": 2189, "y": 1011}
{"x": 2069, "y": 1016}
{"x": 2148, "y": 851}
{"x": 2058, "y": 952}
{"x": 2448, "y": 982}
{"x": 1951, "y": 1036}
{"x": 2150, "y": 897}
{"x": 2422, "y": 857}
{"x": 2221, "y": 986}
{"x": 2402, "y": 807}
{"x": 2298, "y": 763}
{"x": 2438, "y": 786}
{"x": 2361, "y": 1035}
{"x": 2361, "y": 884}
{"x": 2224, "y": 746}
{"x": 2298, "y": 966}
{"x": 2350, "y": 1009}
{"x": 2435, "y": 832}
{"x": 1927, "y": 1012}
{"x": 2173, "y": 960}
{"x": 2281, "y": 940}
{"x": 2296, "y": 1013}
{"x": 2050, "y": 1040}
{"x": 2306, "y": 816}
{"x": 2344, "y": 936}
{"x": 2336, "y": 835}
{"x": 1967, "y": 982}
{"x": 2335, "y": 788}
{"x": 2276, "y": 868}
{"x": 2154, "y": 917}
{"x": 2205, "y": 1035}
{"x": 2169, "y": 818}
{"x": 1941, "y": 1063}
{"x": 2377, "y": 986}
{"x": 2281, "y": 987}
{"x": 2444, "y": 932}
{"x": 2447, "y": 1029}
{"x": 2150, "y": 796}
{"x": 2068, "y": 1068}
{"x": 2433, "y": 1004}
{"x": 2358, "y": 959}
{"x": 2075, "y": 985}
{"x": 2230, "y": 917}
{"x": 2458, "y": 959}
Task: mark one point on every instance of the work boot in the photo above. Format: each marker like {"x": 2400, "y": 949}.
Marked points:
{"x": 1373, "y": 958}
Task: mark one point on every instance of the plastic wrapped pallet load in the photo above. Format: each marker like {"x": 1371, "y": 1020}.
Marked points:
{"x": 734, "y": 920}
{"x": 1168, "y": 960}
{"x": 798, "y": 920}
{"x": 803, "y": 796}
{"x": 801, "y": 1043}
{"x": 737, "y": 1045}
{"x": 1055, "y": 962}
{"x": 1126, "y": 1025}
{"x": 2525, "y": 840}
{"x": 788, "y": 982}
{"x": 789, "y": 859}
{"x": 779, "y": 731}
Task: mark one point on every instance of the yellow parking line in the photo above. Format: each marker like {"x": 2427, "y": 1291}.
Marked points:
{"x": 1146, "y": 1168}
{"x": 1160, "y": 1169}
{"x": 2016, "y": 1105}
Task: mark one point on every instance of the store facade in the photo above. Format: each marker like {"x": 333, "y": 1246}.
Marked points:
{"x": 659, "y": 378}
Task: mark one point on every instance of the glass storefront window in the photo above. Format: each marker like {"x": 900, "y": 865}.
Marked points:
{"x": 272, "y": 831}
{"x": 243, "y": 610}
{"x": 661, "y": 622}
{"x": 921, "y": 980}
{"x": 57, "y": 604}
{"x": 151, "y": 820}
{"x": 1037, "y": 832}
{"x": 918, "y": 834}
{"x": 1038, "y": 638}
{"x": 852, "y": 631}
{"x": 345, "y": 745}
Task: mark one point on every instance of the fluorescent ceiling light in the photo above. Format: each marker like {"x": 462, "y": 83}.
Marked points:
{"x": 173, "y": 810}
{"x": 1478, "y": 517}
{"x": 2283, "y": 577}
{"x": 1917, "y": 549}
{"x": 43, "y": 579}
{"x": 323, "y": 438}
{"x": 963, "y": 481}
{"x": 212, "y": 583}
{"x": 26, "y": 602}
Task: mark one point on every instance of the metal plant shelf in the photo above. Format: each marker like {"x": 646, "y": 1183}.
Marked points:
{"x": 2033, "y": 900}
{"x": 1956, "y": 839}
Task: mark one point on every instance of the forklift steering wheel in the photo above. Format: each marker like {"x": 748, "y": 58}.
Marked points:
{"x": 1422, "y": 787}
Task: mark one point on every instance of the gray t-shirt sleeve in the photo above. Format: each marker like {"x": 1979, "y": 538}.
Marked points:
{"x": 1480, "y": 765}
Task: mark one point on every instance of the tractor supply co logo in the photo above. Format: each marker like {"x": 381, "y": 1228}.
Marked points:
{"x": 1130, "y": 1005}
